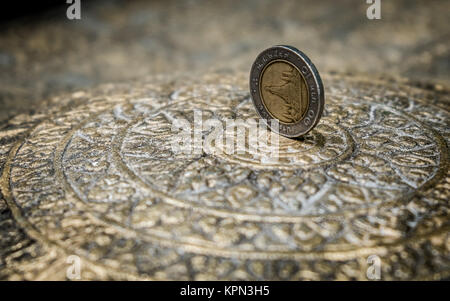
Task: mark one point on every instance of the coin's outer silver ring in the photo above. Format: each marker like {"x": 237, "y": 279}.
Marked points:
{"x": 313, "y": 83}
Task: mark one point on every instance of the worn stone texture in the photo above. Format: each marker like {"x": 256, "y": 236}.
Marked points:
{"x": 87, "y": 170}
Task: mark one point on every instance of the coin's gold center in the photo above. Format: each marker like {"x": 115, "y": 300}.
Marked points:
{"x": 283, "y": 91}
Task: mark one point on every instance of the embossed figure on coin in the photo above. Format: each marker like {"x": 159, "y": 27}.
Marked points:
{"x": 284, "y": 92}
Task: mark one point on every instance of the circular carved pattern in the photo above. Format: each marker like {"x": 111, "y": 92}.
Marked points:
{"x": 371, "y": 178}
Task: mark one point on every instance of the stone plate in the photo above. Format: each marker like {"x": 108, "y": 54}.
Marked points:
{"x": 93, "y": 175}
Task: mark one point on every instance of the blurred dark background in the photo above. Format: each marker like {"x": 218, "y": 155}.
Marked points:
{"x": 21, "y": 9}
{"x": 42, "y": 52}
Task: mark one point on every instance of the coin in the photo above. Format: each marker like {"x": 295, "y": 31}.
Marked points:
{"x": 286, "y": 86}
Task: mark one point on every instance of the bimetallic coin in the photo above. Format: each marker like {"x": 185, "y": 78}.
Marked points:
{"x": 285, "y": 85}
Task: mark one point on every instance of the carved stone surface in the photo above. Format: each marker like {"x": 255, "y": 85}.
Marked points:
{"x": 94, "y": 176}
{"x": 89, "y": 171}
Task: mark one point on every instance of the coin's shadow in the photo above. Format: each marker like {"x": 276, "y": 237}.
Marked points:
{"x": 299, "y": 139}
